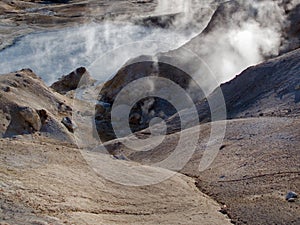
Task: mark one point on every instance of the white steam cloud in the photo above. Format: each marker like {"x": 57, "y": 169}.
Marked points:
{"x": 191, "y": 15}
{"x": 53, "y": 54}
{"x": 246, "y": 38}
{"x": 243, "y": 38}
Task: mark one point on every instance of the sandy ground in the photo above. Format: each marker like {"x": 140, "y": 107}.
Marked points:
{"x": 43, "y": 183}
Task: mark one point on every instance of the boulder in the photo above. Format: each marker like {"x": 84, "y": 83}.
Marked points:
{"x": 69, "y": 124}
{"x": 32, "y": 117}
{"x": 78, "y": 78}
{"x": 291, "y": 196}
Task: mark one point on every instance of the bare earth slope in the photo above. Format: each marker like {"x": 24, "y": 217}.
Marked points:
{"x": 256, "y": 166}
{"x": 44, "y": 178}
{"x": 44, "y": 183}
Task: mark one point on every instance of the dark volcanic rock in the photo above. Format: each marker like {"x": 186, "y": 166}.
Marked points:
{"x": 163, "y": 21}
{"x": 268, "y": 89}
{"x": 30, "y": 107}
{"x": 72, "y": 81}
{"x": 146, "y": 107}
{"x": 69, "y": 124}
{"x": 291, "y": 195}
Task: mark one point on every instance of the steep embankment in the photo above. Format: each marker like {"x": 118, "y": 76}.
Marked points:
{"x": 268, "y": 89}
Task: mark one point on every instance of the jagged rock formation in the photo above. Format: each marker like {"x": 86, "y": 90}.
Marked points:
{"x": 76, "y": 79}
{"x": 31, "y": 107}
{"x": 146, "y": 108}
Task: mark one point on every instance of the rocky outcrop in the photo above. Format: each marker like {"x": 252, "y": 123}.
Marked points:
{"x": 28, "y": 106}
{"x": 76, "y": 79}
{"x": 31, "y": 117}
{"x": 69, "y": 124}
{"x": 146, "y": 108}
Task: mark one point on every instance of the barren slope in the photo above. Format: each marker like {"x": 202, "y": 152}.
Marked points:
{"x": 52, "y": 182}
{"x": 258, "y": 163}
{"x": 46, "y": 180}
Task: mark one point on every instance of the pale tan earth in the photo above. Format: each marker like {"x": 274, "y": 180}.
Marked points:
{"x": 50, "y": 183}
{"x": 258, "y": 163}
{"x": 46, "y": 180}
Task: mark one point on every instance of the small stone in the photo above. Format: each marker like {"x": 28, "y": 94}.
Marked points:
{"x": 69, "y": 124}
{"x": 291, "y": 196}
{"x": 120, "y": 157}
{"x": 291, "y": 200}
{"x": 7, "y": 89}
{"x": 223, "y": 209}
